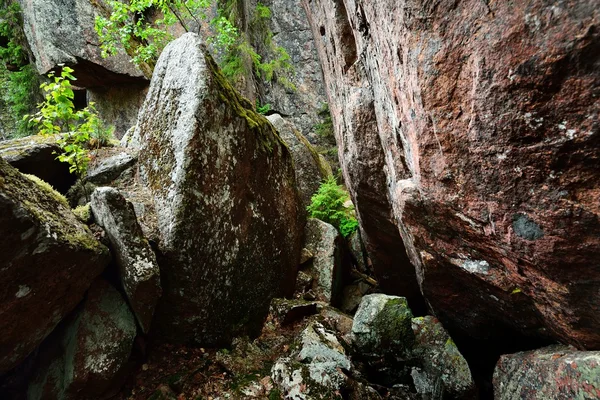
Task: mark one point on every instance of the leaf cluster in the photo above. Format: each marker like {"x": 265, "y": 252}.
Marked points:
{"x": 11, "y": 52}
{"x": 329, "y": 205}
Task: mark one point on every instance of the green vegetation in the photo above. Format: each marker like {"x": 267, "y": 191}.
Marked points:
{"x": 46, "y": 187}
{"x": 141, "y": 28}
{"x": 83, "y": 213}
{"x": 57, "y": 115}
{"x": 262, "y": 109}
{"x": 12, "y": 52}
{"x": 325, "y": 128}
{"x": 328, "y": 205}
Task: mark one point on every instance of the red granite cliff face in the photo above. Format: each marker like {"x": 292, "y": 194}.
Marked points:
{"x": 471, "y": 128}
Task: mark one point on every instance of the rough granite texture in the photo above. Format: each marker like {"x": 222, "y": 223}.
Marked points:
{"x": 311, "y": 167}
{"x": 86, "y": 358}
{"x": 475, "y": 124}
{"x": 324, "y": 242}
{"x": 556, "y": 372}
{"x": 134, "y": 257}
{"x": 48, "y": 260}
{"x": 62, "y": 32}
{"x": 225, "y": 196}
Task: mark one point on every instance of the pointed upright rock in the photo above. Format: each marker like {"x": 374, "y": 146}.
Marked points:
{"x": 225, "y": 196}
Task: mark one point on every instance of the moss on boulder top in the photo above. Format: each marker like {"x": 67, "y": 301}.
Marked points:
{"x": 49, "y": 259}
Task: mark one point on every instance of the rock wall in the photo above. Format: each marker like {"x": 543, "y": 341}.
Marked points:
{"x": 475, "y": 124}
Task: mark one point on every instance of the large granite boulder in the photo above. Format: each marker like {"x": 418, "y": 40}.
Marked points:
{"x": 134, "y": 257}
{"x": 48, "y": 259}
{"x": 485, "y": 152}
{"x": 555, "y": 372}
{"x": 62, "y": 32}
{"x": 87, "y": 357}
{"x": 311, "y": 167}
{"x": 36, "y": 155}
{"x": 225, "y": 197}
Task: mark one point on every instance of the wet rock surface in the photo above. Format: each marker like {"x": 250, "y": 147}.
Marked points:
{"x": 484, "y": 152}
{"x": 48, "y": 259}
{"x": 225, "y": 197}
{"x": 556, "y": 372}
{"x": 138, "y": 269}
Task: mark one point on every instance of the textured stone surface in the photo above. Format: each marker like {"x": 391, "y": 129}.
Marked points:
{"x": 36, "y": 155}
{"x": 62, "y": 32}
{"x": 327, "y": 267}
{"x": 382, "y": 327}
{"x": 442, "y": 372}
{"x": 476, "y": 125}
{"x": 87, "y": 356}
{"x": 225, "y": 196}
{"x": 292, "y": 32}
{"x": 311, "y": 168}
{"x": 110, "y": 168}
{"x": 48, "y": 259}
{"x": 135, "y": 258}
{"x": 556, "y": 372}
{"x": 314, "y": 371}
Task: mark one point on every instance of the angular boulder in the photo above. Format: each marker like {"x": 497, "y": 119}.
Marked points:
{"x": 382, "y": 327}
{"x": 555, "y": 372}
{"x": 328, "y": 264}
{"x": 441, "y": 371}
{"x": 61, "y": 32}
{"x": 311, "y": 167}
{"x": 49, "y": 259}
{"x": 87, "y": 357}
{"x": 484, "y": 154}
{"x": 36, "y": 155}
{"x": 135, "y": 258}
{"x": 110, "y": 168}
{"x": 225, "y": 196}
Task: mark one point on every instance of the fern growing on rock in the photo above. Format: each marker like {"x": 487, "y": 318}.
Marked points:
{"x": 332, "y": 204}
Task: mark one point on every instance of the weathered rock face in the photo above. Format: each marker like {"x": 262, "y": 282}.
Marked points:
{"x": 110, "y": 168}
{"x": 225, "y": 196}
{"x": 62, "y": 32}
{"x": 36, "y": 155}
{"x": 311, "y": 167}
{"x": 556, "y": 372}
{"x": 137, "y": 264}
{"x": 328, "y": 264}
{"x": 476, "y": 126}
{"x": 48, "y": 259}
{"x": 86, "y": 358}
{"x": 291, "y": 31}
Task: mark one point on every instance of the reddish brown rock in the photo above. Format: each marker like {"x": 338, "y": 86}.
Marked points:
{"x": 556, "y": 372}
{"x": 477, "y": 128}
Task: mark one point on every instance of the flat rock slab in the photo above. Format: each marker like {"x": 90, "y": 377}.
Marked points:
{"x": 48, "y": 258}
{"x": 135, "y": 258}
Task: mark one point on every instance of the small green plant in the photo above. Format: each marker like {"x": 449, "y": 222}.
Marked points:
{"x": 12, "y": 52}
{"x": 325, "y": 128}
{"x": 262, "y": 109}
{"x": 83, "y": 213}
{"x": 329, "y": 205}
{"x": 57, "y": 116}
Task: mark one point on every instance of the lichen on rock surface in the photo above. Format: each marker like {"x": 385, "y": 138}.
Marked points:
{"x": 49, "y": 259}
{"x": 225, "y": 196}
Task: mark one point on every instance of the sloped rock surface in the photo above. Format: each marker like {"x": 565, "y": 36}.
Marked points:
{"x": 135, "y": 258}
{"x": 556, "y": 372}
{"x": 225, "y": 196}
{"x": 327, "y": 266}
{"x": 475, "y": 125}
{"x": 36, "y": 155}
{"x": 311, "y": 167}
{"x": 62, "y": 32}
{"x": 86, "y": 358}
{"x": 110, "y": 168}
{"x": 48, "y": 258}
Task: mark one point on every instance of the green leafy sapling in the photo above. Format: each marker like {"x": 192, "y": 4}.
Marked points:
{"x": 330, "y": 204}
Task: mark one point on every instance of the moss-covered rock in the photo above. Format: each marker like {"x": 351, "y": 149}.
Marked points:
{"x": 48, "y": 258}
{"x": 382, "y": 327}
{"x": 135, "y": 258}
{"x": 225, "y": 195}
{"x": 87, "y": 356}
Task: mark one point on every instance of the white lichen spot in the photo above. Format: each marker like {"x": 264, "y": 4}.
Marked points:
{"x": 571, "y": 134}
{"x": 476, "y": 266}
{"x": 23, "y": 291}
